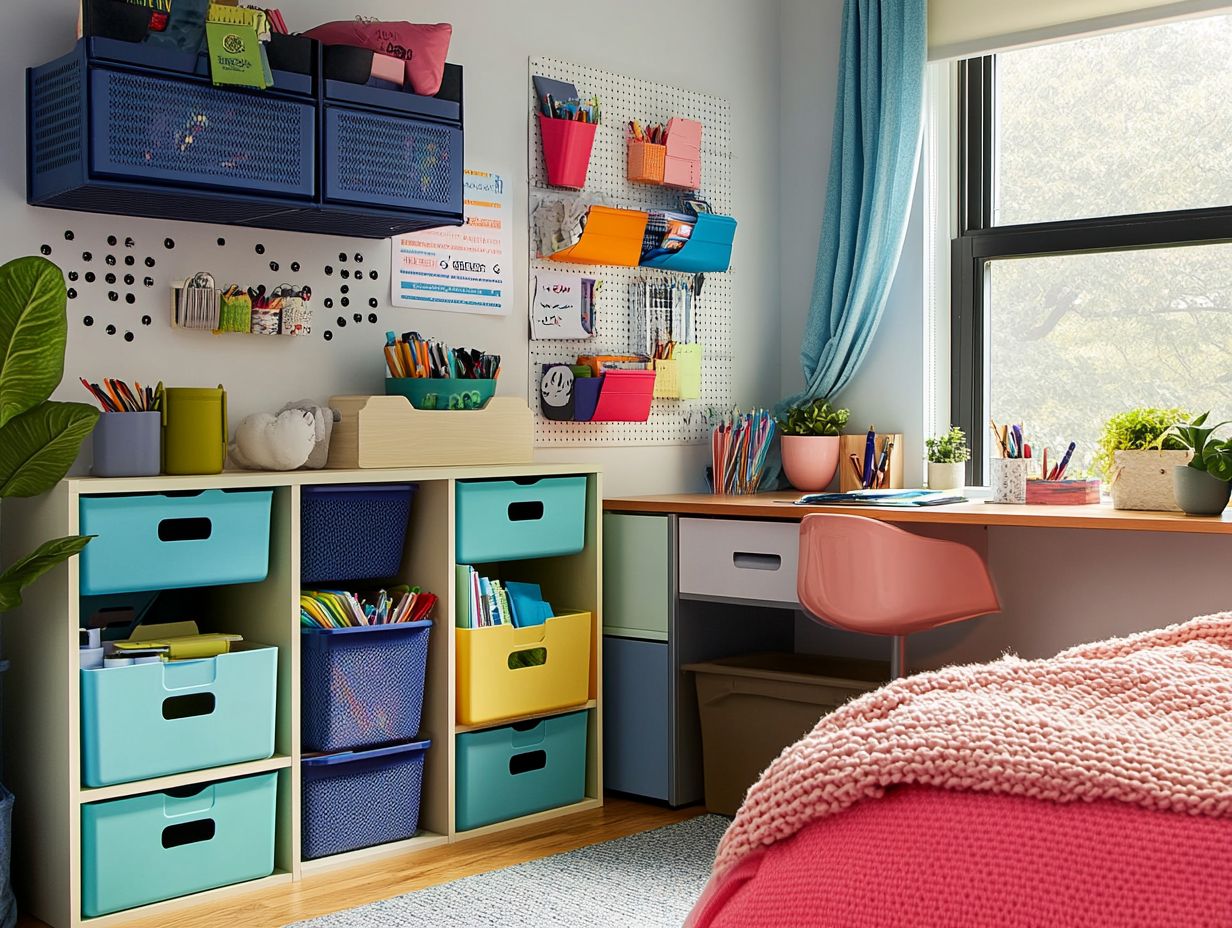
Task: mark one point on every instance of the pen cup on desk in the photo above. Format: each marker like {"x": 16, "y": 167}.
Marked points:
{"x": 194, "y": 430}
{"x": 1009, "y": 479}
{"x": 128, "y": 444}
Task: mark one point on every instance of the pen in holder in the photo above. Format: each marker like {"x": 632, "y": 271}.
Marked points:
{"x": 1009, "y": 479}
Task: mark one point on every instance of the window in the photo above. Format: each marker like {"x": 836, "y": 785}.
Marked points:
{"x": 1092, "y": 271}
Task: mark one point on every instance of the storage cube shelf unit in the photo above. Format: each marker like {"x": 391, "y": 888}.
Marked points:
{"x": 131, "y": 129}
{"x": 60, "y": 823}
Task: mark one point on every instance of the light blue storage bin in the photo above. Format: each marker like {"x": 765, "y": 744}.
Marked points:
{"x": 708, "y": 249}
{"x": 519, "y": 769}
{"x": 158, "y": 846}
{"x": 149, "y": 720}
{"x": 502, "y": 520}
{"x": 166, "y": 541}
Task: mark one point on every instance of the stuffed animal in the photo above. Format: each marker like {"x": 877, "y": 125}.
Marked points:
{"x": 296, "y": 436}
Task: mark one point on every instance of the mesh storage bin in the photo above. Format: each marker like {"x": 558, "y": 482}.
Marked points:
{"x": 362, "y": 798}
{"x": 353, "y": 532}
{"x": 363, "y": 686}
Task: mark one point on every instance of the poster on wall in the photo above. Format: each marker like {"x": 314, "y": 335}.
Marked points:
{"x": 460, "y": 269}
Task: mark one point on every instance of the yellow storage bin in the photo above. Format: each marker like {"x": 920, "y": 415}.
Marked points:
{"x": 506, "y": 672}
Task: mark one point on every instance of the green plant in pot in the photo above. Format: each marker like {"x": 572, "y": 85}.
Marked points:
{"x": 1203, "y": 485}
{"x": 810, "y": 443}
{"x": 39, "y": 441}
{"x": 1136, "y": 454}
{"x": 947, "y": 454}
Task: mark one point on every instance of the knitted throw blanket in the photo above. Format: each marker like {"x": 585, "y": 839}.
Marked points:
{"x": 1145, "y": 720}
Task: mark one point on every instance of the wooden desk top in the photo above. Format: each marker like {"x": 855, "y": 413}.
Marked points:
{"x": 779, "y": 506}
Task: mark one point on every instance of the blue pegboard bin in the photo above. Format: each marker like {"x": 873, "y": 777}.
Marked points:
{"x": 708, "y": 249}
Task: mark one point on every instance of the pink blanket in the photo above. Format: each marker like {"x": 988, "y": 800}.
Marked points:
{"x": 1144, "y": 720}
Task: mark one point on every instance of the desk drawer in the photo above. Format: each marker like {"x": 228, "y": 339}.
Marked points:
{"x": 733, "y": 559}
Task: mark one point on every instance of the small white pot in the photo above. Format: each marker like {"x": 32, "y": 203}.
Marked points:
{"x": 947, "y": 476}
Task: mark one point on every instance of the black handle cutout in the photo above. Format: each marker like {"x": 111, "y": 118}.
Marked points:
{"x": 188, "y": 706}
{"x": 528, "y": 511}
{"x": 525, "y": 763}
{"x": 188, "y": 833}
{"x": 750, "y": 561}
{"x": 186, "y": 792}
{"x": 535, "y": 657}
{"x": 197, "y": 529}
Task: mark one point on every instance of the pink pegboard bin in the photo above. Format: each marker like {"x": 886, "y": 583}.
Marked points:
{"x": 683, "y": 162}
{"x": 566, "y": 150}
{"x": 625, "y": 396}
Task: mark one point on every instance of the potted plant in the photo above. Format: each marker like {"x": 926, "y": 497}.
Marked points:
{"x": 39, "y": 441}
{"x": 810, "y": 443}
{"x": 1136, "y": 454}
{"x": 947, "y": 460}
{"x": 1202, "y": 486}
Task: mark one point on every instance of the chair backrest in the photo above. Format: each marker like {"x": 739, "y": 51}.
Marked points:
{"x": 868, "y": 576}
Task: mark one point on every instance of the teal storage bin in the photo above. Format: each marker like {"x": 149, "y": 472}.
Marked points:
{"x": 149, "y": 720}
{"x": 708, "y": 249}
{"x": 502, "y": 520}
{"x": 519, "y": 769}
{"x": 161, "y": 541}
{"x": 158, "y": 846}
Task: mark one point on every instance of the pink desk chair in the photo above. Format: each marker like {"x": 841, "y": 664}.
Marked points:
{"x": 867, "y": 576}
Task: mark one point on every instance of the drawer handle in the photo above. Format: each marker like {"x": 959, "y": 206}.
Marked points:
{"x": 188, "y": 706}
{"x": 533, "y": 657}
{"x": 197, "y": 529}
{"x": 188, "y": 833}
{"x": 528, "y": 511}
{"x": 530, "y": 761}
{"x": 748, "y": 561}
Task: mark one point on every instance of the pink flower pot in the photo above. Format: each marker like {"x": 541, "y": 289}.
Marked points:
{"x": 810, "y": 461}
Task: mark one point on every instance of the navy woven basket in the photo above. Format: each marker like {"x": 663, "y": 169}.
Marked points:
{"x": 362, "y": 798}
{"x": 362, "y": 686}
{"x": 353, "y": 532}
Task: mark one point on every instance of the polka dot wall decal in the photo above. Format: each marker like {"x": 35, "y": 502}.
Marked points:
{"x": 130, "y": 298}
{"x": 68, "y": 235}
{"x": 222, "y": 242}
{"x": 89, "y": 278}
{"x": 146, "y": 320}
{"x": 341, "y": 322}
{"x": 111, "y": 260}
{"x": 373, "y": 302}
{"x": 294, "y": 267}
{"x": 129, "y": 280}
{"x": 112, "y": 240}
{"x": 329, "y": 303}
{"x": 344, "y": 289}
{"x": 358, "y": 317}
{"x": 86, "y": 256}
{"x": 88, "y": 320}
{"x": 259, "y": 249}
{"x": 110, "y": 278}
{"x": 328, "y": 335}
{"x": 128, "y": 336}
{"x": 374, "y": 275}
{"x": 329, "y": 270}
{"x": 45, "y": 249}
{"x": 72, "y": 293}
{"x": 344, "y": 274}
{"x": 150, "y": 262}
{"x": 72, "y": 275}
{"x": 130, "y": 242}
{"x": 342, "y": 257}
{"x": 359, "y": 259}
{"x": 129, "y": 260}
{"x": 372, "y": 317}
{"x": 274, "y": 266}
{"x": 168, "y": 243}
{"x": 113, "y": 296}
{"x": 148, "y": 281}
{"x": 111, "y": 330}
{"x": 345, "y": 301}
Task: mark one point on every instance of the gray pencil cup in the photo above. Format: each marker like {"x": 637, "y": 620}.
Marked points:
{"x": 128, "y": 444}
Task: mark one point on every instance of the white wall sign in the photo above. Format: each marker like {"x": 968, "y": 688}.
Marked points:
{"x": 460, "y": 269}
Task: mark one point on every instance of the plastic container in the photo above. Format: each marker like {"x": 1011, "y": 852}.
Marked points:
{"x": 158, "y": 846}
{"x": 194, "y": 430}
{"x": 625, "y": 396}
{"x": 501, "y": 520}
{"x": 644, "y": 162}
{"x": 149, "y": 720}
{"x": 585, "y": 397}
{"x": 519, "y": 769}
{"x": 353, "y": 532}
{"x": 155, "y": 541}
{"x": 493, "y": 684}
{"x": 611, "y": 236}
{"x": 754, "y": 705}
{"x": 566, "y": 150}
{"x": 708, "y": 249}
{"x": 128, "y": 444}
{"x": 361, "y": 798}
{"x": 364, "y": 685}
{"x": 442, "y": 393}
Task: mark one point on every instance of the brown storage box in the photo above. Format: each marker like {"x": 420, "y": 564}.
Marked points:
{"x": 754, "y": 705}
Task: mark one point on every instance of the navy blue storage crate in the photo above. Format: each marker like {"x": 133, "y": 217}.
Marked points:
{"x": 355, "y": 532}
{"x": 364, "y": 685}
{"x": 362, "y": 798}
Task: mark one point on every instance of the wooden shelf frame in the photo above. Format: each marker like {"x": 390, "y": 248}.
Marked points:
{"x": 42, "y": 698}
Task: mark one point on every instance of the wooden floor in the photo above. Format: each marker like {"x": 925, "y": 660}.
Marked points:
{"x": 335, "y": 890}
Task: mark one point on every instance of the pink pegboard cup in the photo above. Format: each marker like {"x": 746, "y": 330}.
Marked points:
{"x": 566, "y": 150}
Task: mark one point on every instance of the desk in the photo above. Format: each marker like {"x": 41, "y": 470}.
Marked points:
{"x": 695, "y": 577}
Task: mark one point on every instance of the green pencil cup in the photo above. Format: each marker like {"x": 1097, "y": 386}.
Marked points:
{"x": 194, "y": 430}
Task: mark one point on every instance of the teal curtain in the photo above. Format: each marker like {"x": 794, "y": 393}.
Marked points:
{"x": 878, "y": 124}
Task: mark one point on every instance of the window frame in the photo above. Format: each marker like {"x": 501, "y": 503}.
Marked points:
{"x": 979, "y": 241}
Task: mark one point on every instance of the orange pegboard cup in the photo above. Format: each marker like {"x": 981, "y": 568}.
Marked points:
{"x": 645, "y": 162}
{"x": 612, "y": 236}
{"x": 566, "y": 150}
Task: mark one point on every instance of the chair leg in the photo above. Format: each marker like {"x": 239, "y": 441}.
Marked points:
{"x": 898, "y": 657}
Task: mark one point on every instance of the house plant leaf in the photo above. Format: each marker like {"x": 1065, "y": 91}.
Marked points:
{"x": 34, "y": 565}
{"x": 38, "y": 447}
{"x": 33, "y": 333}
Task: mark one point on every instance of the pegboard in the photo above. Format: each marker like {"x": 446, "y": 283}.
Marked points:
{"x": 624, "y": 98}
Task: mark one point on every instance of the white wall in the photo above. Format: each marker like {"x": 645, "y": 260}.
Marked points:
{"x": 725, "y": 47}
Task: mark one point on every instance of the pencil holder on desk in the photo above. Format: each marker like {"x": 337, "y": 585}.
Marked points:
{"x": 194, "y": 430}
{"x": 566, "y": 150}
{"x": 128, "y": 444}
{"x": 1008, "y": 478}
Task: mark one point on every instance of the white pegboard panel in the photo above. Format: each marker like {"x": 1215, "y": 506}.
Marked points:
{"x": 624, "y": 98}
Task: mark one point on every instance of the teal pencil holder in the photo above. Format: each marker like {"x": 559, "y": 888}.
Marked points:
{"x": 442, "y": 392}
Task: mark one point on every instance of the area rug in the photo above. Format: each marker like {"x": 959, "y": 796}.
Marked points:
{"x": 649, "y": 880}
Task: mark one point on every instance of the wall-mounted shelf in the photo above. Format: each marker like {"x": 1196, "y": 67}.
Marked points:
{"x": 130, "y": 129}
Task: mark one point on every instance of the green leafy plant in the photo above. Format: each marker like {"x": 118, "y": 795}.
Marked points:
{"x": 948, "y": 448}
{"x": 816, "y": 417}
{"x": 1142, "y": 429}
{"x": 1210, "y": 455}
{"x": 39, "y": 439}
